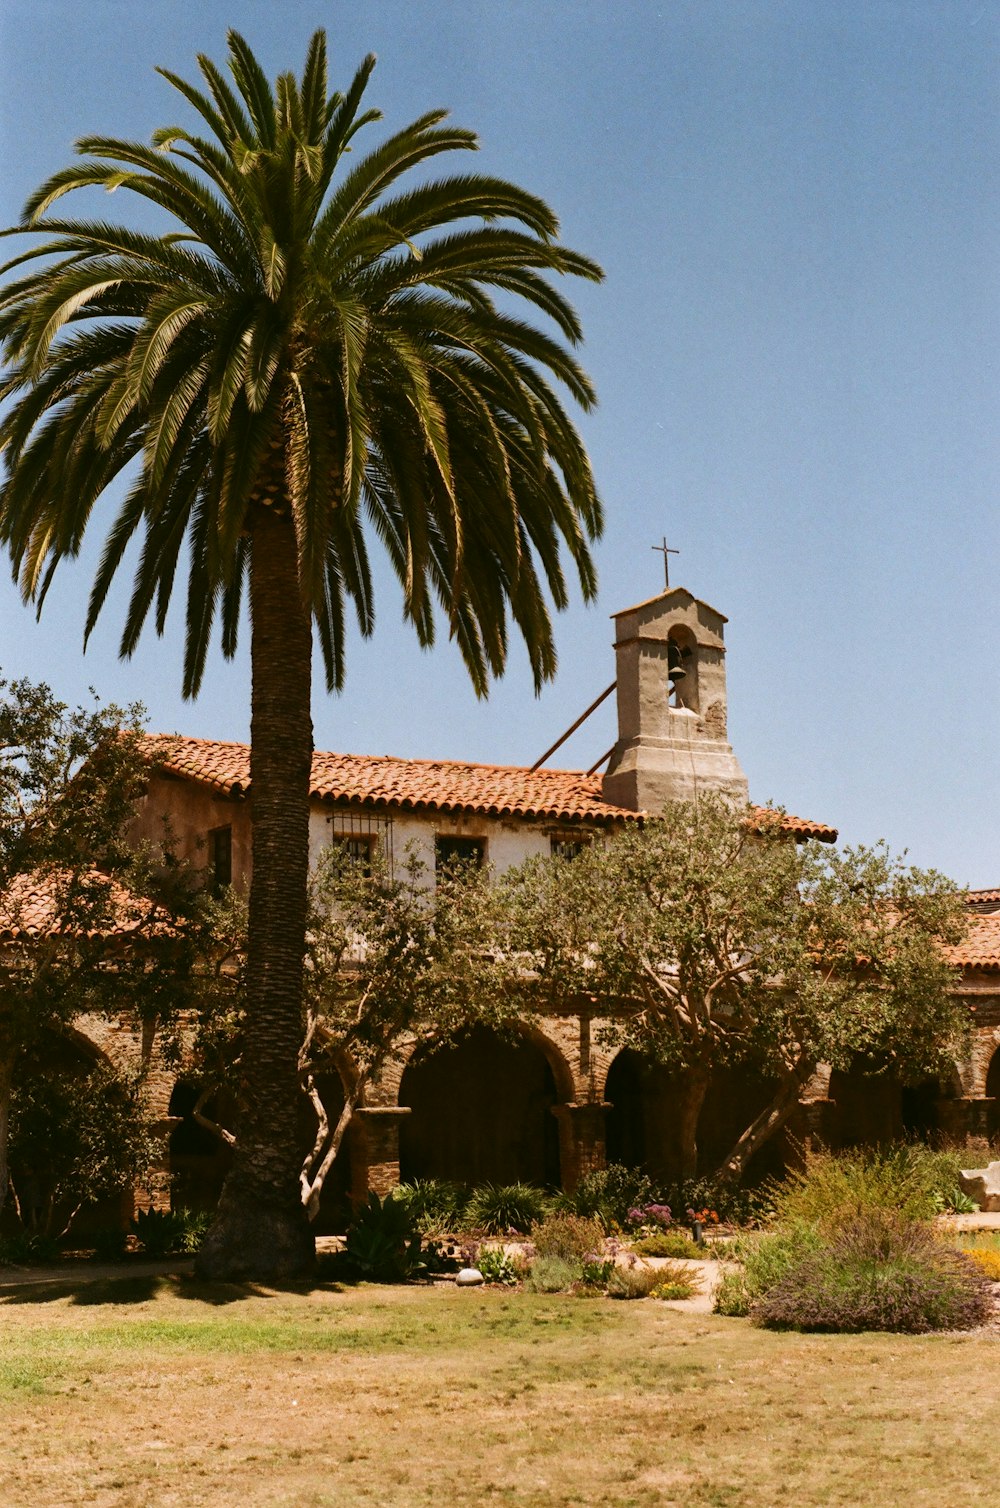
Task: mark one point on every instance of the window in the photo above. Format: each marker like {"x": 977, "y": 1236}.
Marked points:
{"x": 567, "y": 848}
{"x": 220, "y": 856}
{"x": 453, "y": 853}
{"x": 355, "y": 848}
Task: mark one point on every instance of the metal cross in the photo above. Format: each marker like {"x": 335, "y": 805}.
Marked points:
{"x": 666, "y": 552}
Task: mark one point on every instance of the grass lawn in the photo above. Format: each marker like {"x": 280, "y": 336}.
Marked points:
{"x": 152, "y": 1391}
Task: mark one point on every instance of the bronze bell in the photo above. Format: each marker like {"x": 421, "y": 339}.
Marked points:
{"x": 675, "y": 667}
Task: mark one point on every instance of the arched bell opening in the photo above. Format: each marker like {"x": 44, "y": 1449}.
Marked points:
{"x": 682, "y": 668}
{"x": 480, "y": 1112}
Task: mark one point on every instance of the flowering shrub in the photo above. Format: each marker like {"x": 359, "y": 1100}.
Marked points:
{"x": 595, "y": 1271}
{"x": 655, "y": 1216}
{"x": 702, "y": 1217}
{"x": 987, "y": 1259}
{"x": 675, "y": 1281}
{"x": 881, "y": 1272}
{"x": 607, "y": 1194}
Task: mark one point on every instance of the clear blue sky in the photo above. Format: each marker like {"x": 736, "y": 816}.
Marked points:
{"x": 797, "y": 208}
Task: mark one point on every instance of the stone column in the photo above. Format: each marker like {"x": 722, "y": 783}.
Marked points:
{"x": 815, "y": 1117}
{"x": 581, "y": 1139}
{"x": 978, "y": 1115}
{"x": 156, "y": 1189}
{"x": 375, "y": 1149}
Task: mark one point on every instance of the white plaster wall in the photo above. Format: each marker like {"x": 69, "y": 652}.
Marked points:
{"x": 508, "y": 843}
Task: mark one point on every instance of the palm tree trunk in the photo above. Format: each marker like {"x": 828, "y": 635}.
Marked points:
{"x": 7, "y": 1056}
{"x": 261, "y": 1230}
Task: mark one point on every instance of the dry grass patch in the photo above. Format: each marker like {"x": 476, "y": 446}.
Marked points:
{"x": 416, "y": 1396}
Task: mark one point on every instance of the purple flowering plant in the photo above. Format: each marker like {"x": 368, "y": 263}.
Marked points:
{"x": 655, "y": 1216}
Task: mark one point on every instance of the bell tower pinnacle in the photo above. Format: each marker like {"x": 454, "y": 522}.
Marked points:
{"x": 671, "y": 683}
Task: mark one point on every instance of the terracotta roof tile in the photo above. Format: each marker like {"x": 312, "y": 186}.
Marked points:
{"x": 30, "y": 908}
{"x": 980, "y": 949}
{"x": 425, "y": 784}
{"x": 983, "y": 901}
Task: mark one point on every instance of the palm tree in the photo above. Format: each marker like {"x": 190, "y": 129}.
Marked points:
{"x": 310, "y": 348}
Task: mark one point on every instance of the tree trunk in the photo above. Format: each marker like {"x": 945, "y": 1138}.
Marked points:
{"x": 694, "y": 1087}
{"x": 315, "y": 1171}
{"x": 261, "y": 1230}
{"x": 6, "y": 1085}
{"x": 768, "y": 1122}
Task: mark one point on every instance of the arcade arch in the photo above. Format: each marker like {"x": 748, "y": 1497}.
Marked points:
{"x": 480, "y": 1110}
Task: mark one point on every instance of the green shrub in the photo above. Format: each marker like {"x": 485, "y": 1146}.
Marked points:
{"x": 109, "y": 1245}
{"x": 957, "y": 1203}
{"x": 194, "y": 1226}
{"x": 595, "y": 1273}
{"x": 675, "y": 1281}
{"x": 436, "y": 1207}
{"x": 668, "y": 1243}
{"x": 832, "y": 1189}
{"x": 632, "y": 1282}
{"x": 607, "y": 1195}
{"x": 159, "y": 1232}
{"x": 734, "y": 1204}
{"x": 498, "y": 1267}
{"x": 508, "y": 1209}
{"x": 382, "y": 1244}
{"x": 572, "y": 1238}
{"x": 882, "y": 1272}
{"x": 732, "y": 1298}
{"x": 766, "y": 1259}
{"x": 552, "y": 1275}
{"x": 27, "y": 1249}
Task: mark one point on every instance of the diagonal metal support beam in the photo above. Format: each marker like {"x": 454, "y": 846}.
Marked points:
{"x": 569, "y": 731}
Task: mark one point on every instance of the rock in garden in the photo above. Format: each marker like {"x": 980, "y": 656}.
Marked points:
{"x": 469, "y": 1277}
{"x": 982, "y": 1185}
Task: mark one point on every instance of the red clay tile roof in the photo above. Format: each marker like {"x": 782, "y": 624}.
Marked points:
{"x": 425, "y": 784}
{"x": 980, "y": 949}
{"x": 30, "y": 908}
{"x": 983, "y": 901}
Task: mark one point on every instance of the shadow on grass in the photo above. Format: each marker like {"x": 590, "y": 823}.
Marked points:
{"x": 134, "y": 1288}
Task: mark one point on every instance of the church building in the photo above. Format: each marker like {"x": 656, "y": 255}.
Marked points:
{"x": 557, "y": 1103}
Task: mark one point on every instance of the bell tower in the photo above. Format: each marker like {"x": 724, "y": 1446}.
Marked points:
{"x": 671, "y": 685}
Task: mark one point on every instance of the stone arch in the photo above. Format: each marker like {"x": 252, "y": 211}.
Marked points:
{"x": 642, "y": 1125}
{"x": 645, "y": 1105}
{"x": 197, "y": 1159}
{"x": 872, "y": 1105}
{"x": 60, "y": 1052}
{"x": 735, "y": 1097}
{"x": 992, "y": 1095}
{"x": 480, "y": 1109}
{"x": 91, "y": 1046}
{"x": 986, "y": 1043}
{"x": 682, "y": 652}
